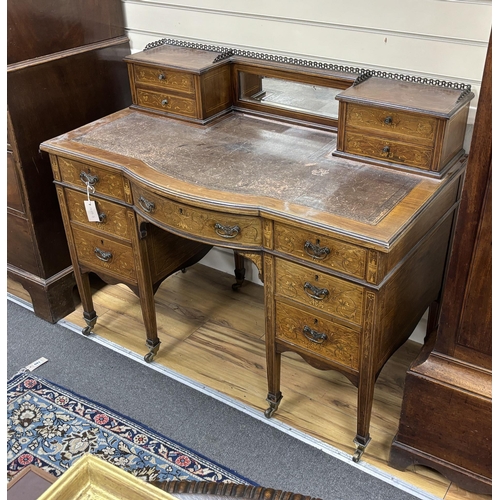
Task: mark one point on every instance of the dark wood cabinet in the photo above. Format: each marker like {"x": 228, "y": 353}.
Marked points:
{"x": 65, "y": 68}
{"x": 446, "y": 417}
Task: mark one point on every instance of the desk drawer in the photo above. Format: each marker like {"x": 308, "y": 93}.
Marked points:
{"x": 99, "y": 252}
{"x": 114, "y": 219}
{"x": 316, "y": 335}
{"x": 388, "y": 150}
{"x": 208, "y": 225}
{"x": 169, "y": 103}
{"x": 323, "y": 292}
{"x": 322, "y": 250}
{"x": 103, "y": 181}
{"x": 164, "y": 78}
{"x": 398, "y": 125}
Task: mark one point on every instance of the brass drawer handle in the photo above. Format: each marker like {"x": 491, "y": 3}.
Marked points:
{"x": 315, "y": 292}
{"x": 146, "y": 205}
{"x": 164, "y": 102}
{"x": 101, "y": 255}
{"x": 313, "y": 335}
{"x": 102, "y": 217}
{"x": 226, "y": 231}
{"x": 89, "y": 179}
{"x": 388, "y": 120}
{"x": 315, "y": 251}
{"x": 161, "y": 76}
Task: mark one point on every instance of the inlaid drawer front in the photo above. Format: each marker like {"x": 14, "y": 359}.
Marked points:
{"x": 382, "y": 149}
{"x": 326, "y": 293}
{"x": 166, "y": 102}
{"x": 208, "y": 224}
{"x": 402, "y": 126}
{"x": 99, "y": 252}
{"x": 164, "y": 78}
{"x": 323, "y": 250}
{"x": 113, "y": 217}
{"x": 317, "y": 335}
{"x": 100, "y": 181}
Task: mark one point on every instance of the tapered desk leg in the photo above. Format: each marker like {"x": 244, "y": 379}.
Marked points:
{"x": 89, "y": 314}
{"x": 365, "y": 402}
{"x": 146, "y": 293}
{"x": 273, "y": 358}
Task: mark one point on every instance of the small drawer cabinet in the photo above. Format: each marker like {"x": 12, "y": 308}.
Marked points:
{"x": 180, "y": 82}
{"x": 402, "y": 124}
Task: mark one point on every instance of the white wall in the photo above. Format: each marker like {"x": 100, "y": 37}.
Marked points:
{"x": 439, "y": 39}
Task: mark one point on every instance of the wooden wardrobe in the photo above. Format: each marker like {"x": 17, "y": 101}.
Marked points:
{"x": 64, "y": 69}
{"x": 446, "y": 417}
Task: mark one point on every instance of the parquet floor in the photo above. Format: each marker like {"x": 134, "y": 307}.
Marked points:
{"x": 214, "y": 337}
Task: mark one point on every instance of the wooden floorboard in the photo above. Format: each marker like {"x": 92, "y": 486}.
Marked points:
{"x": 215, "y": 336}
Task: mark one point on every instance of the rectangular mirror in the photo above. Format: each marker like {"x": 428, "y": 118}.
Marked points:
{"x": 289, "y": 95}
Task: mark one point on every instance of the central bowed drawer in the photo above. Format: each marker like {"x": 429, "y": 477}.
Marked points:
{"x": 208, "y": 225}
{"x": 316, "y": 335}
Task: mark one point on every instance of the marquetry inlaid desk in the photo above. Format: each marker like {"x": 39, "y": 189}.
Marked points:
{"x": 351, "y": 251}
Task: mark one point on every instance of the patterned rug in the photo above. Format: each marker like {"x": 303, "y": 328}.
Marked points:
{"x": 51, "y": 427}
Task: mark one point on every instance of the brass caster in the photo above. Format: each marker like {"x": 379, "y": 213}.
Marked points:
{"x": 236, "y": 286}
{"x": 360, "y": 449}
{"x": 153, "y": 349}
{"x": 149, "y": 357}
{"x": 269, "y": 412}
{"x": 87, "y": 331}
{"x": 357, "y": 455}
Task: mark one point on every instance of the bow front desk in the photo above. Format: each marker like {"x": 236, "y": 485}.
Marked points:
{"x": 351, "y": 252}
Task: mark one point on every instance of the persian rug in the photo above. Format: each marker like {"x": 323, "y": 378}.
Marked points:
{"x": 51, "y": 427}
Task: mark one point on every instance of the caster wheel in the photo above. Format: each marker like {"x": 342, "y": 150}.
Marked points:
{"x": 87, "y": 331}
{"x": 149, "y": 357}
{"x": 235, "y": 286}
{"x": 269, "y": 412}
{"x": 357, "y": 456}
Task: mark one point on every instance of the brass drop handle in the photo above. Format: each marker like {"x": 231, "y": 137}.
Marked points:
{"x": 388, "y": 120}
{"x": 88, "y": 179}
{"x": 315, "y": 292}
{"x": 226, "y": 231}
{"x": 164, "y": 102}
{"x": 146, "y": 205}
{"x": 101, "y": 255}
{"x": 315, "y": 251}
{"x": 314, "y": 335}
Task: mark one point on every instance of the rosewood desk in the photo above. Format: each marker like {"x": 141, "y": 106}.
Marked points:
{"x": 351, "y": 253}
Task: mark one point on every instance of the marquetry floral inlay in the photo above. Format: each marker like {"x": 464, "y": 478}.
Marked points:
{"x": 340, "y": 256}
{"x": 108, "y": 183}
{"x": 155, "y": 76}
{"x": 395, "y": 122}
{"x": 385, "y": 150}
{"x": 335, "y": 296}
{"x": 340, "y": 344}
{"x": 166, "y": 102}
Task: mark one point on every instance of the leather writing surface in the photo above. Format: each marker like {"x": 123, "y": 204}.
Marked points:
{"x": 257, "y": 157}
